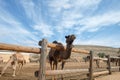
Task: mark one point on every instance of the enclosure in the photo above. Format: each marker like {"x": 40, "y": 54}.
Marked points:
{"x": 82, "y": 68}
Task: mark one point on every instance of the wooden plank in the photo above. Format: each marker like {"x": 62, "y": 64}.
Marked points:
{"x": 62, "y": 72}
{"x": 115, "y": 67}
{"x": 59, "y": 47}
{"x": 98, "y": 58}
{"x": 19, "y": 48}
{"x": 109, "y": 65}
{"x": 91, "y": 66}
{"x": 12, "y": 47}
{"x": 100, "y": 73}
{"x": 100, "y": 69}
{"x": 42, "y": 61}
{"x": 115, "y": 57}
{"x": 80, "y": 51}
{"x": 119, "y": 64}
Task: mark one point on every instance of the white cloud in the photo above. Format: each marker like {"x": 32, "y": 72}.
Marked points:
{"x": 14, "y": 31}
{"x": 109, "y": 41}
{"x": 45, "y": 29}
{"x": 67, "y": 4}
{"x": 32, "y": 10}
{"x": 96, "y": 22}
{"x": 69, "y": 12}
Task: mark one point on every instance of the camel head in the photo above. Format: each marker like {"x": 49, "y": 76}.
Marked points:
{"x": 70, "y": 39}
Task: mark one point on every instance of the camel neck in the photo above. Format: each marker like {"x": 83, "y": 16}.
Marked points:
{"x": 68, "y": 51}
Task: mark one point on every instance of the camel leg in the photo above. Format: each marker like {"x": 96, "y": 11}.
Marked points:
{"x": 19, "y": 68}
{"x": 51, "y": 65}
{"x": 97, "y": 63}
{"x": 14, "y": 68}
{"x": 116, "y": 61}
{"x": 54, "y": 66}
{"x": 6, "y": 66}
{"x": 56, "y": 63}
{"x": 63, "y": 63}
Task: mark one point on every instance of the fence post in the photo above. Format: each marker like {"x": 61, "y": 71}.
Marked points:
{"x": 109, "y": 65}
{"x": 91, "y": 66}
{"x": 119, "y": 63}
{"x": 42, "y": 61}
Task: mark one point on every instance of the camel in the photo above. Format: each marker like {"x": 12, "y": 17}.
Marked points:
{"x": 15, "y": 59}
{"x": 96, "y": 60}
{"x": 56, "y": 56}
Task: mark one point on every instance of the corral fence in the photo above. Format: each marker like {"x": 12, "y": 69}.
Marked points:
{"x": 43, "y": 51}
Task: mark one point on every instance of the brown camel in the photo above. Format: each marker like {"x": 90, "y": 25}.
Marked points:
{"x": 56, "y": 56}
{"x": 15, "y": 59}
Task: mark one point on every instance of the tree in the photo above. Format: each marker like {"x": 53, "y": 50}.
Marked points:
{"x": 102, "y": 55}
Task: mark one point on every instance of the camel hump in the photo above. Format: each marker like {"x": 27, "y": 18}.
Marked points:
{"x": 56, "y": 42}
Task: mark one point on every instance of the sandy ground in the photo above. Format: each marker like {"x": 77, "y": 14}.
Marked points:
{"x": 113, "y": 76}
{"x": 28, "y": 70}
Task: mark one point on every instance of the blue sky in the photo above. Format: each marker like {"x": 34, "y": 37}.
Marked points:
{"x": 94, "y": 22}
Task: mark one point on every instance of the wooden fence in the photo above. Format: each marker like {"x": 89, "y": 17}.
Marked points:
{"x": 43, "y": 51}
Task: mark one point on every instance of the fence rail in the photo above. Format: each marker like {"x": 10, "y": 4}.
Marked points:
{"x": 67, "y": 71}
{"x": 4, "y": 46}
{"x": 12, "y": 47}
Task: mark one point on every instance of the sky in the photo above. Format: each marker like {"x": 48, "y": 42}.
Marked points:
{"x": 93, "y": 22}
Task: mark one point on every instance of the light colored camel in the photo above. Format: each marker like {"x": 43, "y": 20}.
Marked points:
{"x": 15, "y": 59}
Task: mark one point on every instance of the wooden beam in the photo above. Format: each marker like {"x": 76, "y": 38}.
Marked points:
{"x": 115, "y": 67}
{"x": 100, "y": 73}
{"x": 62, "y": 72}
{"x": 114, "y": 57}
{"x": 12, "y": 47}
{"x": 4, "y": 46}
{"x": 42, "y": 61}
{"x": 109, "y": 65}
{"x": 91, "y": 66}
{"x": 59, "y": 47}
{"x": 98, "y": 58}
{"x": 119, "y": 64}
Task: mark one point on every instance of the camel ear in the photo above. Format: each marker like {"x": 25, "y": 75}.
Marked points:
{"x": 40, "y": 42}
{"x": 74, "y": 37}
{"x": 66, "y": 36}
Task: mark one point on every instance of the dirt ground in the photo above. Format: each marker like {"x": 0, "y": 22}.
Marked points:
{"x": 114, "y": 76}
{"x": 28, "y": 70}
